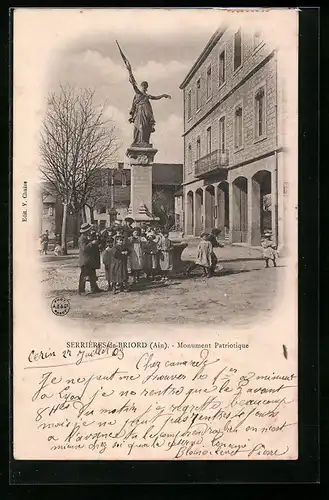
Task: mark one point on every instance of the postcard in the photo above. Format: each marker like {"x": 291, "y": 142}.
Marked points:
{"x": 155, "y": 176}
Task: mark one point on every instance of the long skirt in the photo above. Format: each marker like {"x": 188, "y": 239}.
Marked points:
{"x": 136, "y": 257}
{"x": 150, "y": 263}
{"x": 165, "y": 260}
{"x": 119, "y": 272}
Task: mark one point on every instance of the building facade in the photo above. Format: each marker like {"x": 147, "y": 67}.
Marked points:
{"x": 233, "y": 139}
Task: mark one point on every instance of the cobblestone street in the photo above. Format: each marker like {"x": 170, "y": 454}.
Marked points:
{"x": 238, "y": 293}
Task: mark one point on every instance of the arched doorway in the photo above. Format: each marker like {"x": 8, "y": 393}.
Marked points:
{"x": 240, "y": 210}
{"x": 223, "y": 213}
{"x": 198, "y": 212}
{"x": 209, "y": 195}
{"x": 261, "y": 205}
{"x": 189, "y": 213}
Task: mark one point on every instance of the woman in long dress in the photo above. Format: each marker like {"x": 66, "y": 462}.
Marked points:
{"x": 165, "y": 248}
{"x": 204, "y": 255}
{"x": 150, "y": 257}
{"x": 119, "y": 271}
{"x": 136, "y": 254}
{"x": 141, "y": 113}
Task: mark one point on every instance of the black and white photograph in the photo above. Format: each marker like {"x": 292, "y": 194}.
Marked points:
{"x": 168, "y": 206}
{"x": 155, "y": 227}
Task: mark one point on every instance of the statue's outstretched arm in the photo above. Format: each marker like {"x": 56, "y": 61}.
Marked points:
{"x": 134, "y": 83}
{"x": 157, "y": 97}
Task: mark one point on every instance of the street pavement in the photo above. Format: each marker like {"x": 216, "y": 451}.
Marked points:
{"x": 237, "y": 295}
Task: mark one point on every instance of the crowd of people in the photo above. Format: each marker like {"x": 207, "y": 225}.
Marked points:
{"x": 130, "y": 253}
{"x": 136, "y": 252}
{"x": 124, "y": 250}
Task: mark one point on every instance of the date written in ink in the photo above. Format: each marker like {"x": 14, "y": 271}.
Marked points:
{"x": 24, "y": 202}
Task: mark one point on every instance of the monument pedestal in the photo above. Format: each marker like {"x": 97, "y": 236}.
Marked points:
{"x": 141, "y": 161}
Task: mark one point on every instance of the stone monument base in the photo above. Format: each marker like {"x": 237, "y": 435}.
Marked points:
{"x": 141, "y": 160}
{"x": 143, "y": 215}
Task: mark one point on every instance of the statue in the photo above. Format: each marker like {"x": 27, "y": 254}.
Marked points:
{"x": 141, "y": 113}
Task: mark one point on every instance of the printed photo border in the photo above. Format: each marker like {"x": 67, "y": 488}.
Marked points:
{"x": 306, "y": 468}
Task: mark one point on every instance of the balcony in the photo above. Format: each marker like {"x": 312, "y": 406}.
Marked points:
{"x": 211, "y": 163}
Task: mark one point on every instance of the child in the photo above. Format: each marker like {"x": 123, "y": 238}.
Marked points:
{"x": 269, "y": 249}
{"x": 136, "y": 254}
{"x": 119, "y": 266}
{"x": 107, "y": 258}
{"x": 165, "y": 248}
{"x": 204, "y": 255}
{"x": 215, "y": 244}
{"x": 150, "y": 257}
{"x": 158, "y": 235}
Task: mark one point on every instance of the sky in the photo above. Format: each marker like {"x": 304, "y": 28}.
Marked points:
{"x": 161, "y": 56}
{"x": 59, "y": 46}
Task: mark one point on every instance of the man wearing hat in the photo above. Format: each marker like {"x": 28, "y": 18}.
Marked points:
{"x": 87, "y": 248}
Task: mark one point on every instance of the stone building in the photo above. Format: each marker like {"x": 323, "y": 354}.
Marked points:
{"x": 233, "y": 139}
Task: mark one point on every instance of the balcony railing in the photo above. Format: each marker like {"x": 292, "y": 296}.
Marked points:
{"x": 213, "y": 161}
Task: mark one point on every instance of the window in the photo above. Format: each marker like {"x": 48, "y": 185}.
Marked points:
{"x": 189, "y": 159}
{"x": 257, "y": 38}
{"x": 198, "y": 94}
{"x": 123, "y": 179}
{"x": 189, "y": 105}
{"x": 221, "y": 76}
{"x": 222, "y": 134}
{"x": 208, "y": 140}
{"x": 237, "y": 49}
{"x": 198, "y": 148}
{"x": 102, "y": 209}
{"x": 260, "y": 113}
{"x": 209, "y": 83}
{"x": 238, "y": 127}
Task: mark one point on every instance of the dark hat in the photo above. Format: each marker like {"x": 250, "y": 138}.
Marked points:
{"x": 85, "y": 227}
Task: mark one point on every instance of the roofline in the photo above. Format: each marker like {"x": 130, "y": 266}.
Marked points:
{"x": 206, "y": 51}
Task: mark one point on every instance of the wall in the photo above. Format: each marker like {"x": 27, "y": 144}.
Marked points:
{"x": 245, "y": 92}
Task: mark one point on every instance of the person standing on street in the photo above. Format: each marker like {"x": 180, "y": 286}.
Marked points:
{"x": 87, "y": 261}
{"x": 269, "y": 249}
{"x": 213, "y": 238}
{"x": 165, "y": 248}
{"x": 44, "y": 242}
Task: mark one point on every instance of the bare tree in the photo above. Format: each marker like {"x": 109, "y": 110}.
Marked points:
{"x": 77, "y": 142}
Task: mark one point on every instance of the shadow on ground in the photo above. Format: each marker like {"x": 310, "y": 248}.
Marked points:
{"x": 175, "y": 279}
